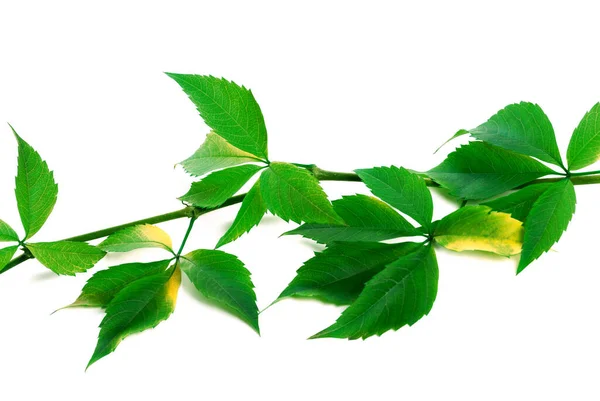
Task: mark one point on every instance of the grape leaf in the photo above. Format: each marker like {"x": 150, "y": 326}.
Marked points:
{"x": 230, "y": 110}
{"x": 139, "y": 306}
{"x": 6, "y": 255}
{"x": 136, "y": 237}
{"x": 35, "y": 189}
{"x": 338, "y": 274}
{"x": 584, "y": 146}
{"x": 402, "y": 293}
{"x": 549, "y": 217}
{"x": 402, "y": 189}
{"x": 519, "y": 203}
{"x": 217, "y": 187}
{"x": 478, "y": 228}
{"x": 66, "y": 257}
{"x": 293, "y": 193}
{"x": 480, "y": 170}
{"x": 7, "y": 234}
{"x": 251, "y": 212}
{"x": 215, "y": 154}
{"x": 222, "y": 277}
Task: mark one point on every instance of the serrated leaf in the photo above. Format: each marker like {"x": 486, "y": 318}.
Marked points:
{"x": 66, "y": 257}
{"x": 519, "y": 203}
{"x": 139, "y": 306}
{"x": 215, "y": 154}
{"x": 584, "y": 146}
{"x": 338, "y": 274}
{"x": 229, "y": 109}
{"x": 6, "y": 255}
{"x": 293, "y": 193}
{"x": 7, "y": 234}
{"x": 478, "y": 228}
{"x": 367, "y": 219}
{"x": 222, "y": 277}
{"x": 400, "y": 294}
{"x": 136, "y": 237}
{"x": 460, "y": 132}
{"x": 548, "y": 218}
{"x": 35, "y": 189}
{"x": 480, "y": 170}
{"x": 402, "y": 189}
{"x": 217, "y": 187}
{"x": 250, "y": 214}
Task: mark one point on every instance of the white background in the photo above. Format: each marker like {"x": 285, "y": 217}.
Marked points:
{"x": 342, "y": 84}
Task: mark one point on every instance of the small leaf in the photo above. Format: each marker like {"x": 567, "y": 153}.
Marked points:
{"x": 6, "y": 255}
{"x": 215, "y": 154}
{"x": 66, "y": 257}
{"x": 477, "y": 228}
{"x": 402, "y": 189}
{"x": 584, "y": 147}
{"x": 293, "y": 193}
{"x": 136, "y": 237}
{"x": 139, "y": 306}
{"x": 548, "y": 218}
{"x": 250, "y": 214}
{"x": 519, "y": 203}
{"x": 222, "y": 277}
{"x": 230, "y": 110}
{"x": 480, "y": 170}
{"x": 35, "y": 189}
{"x": 400, "y": 294}
{"x": 7, "y": 234}
{"x": 217, "y": 187}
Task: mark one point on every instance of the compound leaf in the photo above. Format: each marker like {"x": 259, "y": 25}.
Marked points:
{"x": 584, "y": 146}
{"x": 136, "y": 237}
{"x": 6, "y": 255}
{"x": 519, "y": 203}
{"x": 66, "y": 257}
{"x": 7, "y": 234}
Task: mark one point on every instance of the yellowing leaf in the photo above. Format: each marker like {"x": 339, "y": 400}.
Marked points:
{"x": 141, "y": 236}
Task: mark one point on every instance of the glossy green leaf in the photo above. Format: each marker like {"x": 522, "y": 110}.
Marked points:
{"x": 480, "y": 170}
{"x": 7, "y": 234}
{"x": 136, "y": 237}
{"x": 229, "y": 109}
{"x": 584, "y": 147}
{"x": 519, "y": 203}
{"x": 217, "y": 187}
{"x": 548, "y": 218}
{"x": 293, "y": 193}
{"x": 400, "y": 294}
{"x": 6, "y": 255}
{"x": 66, "y": 257}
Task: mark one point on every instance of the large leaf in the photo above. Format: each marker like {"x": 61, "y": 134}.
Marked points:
{"x": 66, "y": 257}
{"x": 519, "y": 203}
{"x": 293, "y": 193}
{"x": 222, "y": 278}
{"x": 217, "y": 187}
{"x": 35, "y": 189}
{"x": 584, "y": 147}
{"x": 251, "y": 212}
{"x": 230, "y": 110}
{"x": 400, "y": 294}
{"x": 214, "y": 154}
{"x": 7, "y": 234}
{"x": 6, "y": 255}
{"x": 338, "y": 274}
{"x": 548, "y": 218}
{"x": 139, "y": 306}
{"x": 480, "y": 170}
{"x": 402, "y": 189}
{"x": 477, "y": 228}
{"x": 136, "y": 237}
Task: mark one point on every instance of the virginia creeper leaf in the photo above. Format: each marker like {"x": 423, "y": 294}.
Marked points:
{"x": 66, "y": 257}
{"x": 7, "y": 234}
{"x": 584, "y": 146}
{"x": 136, "y": 237}
{"x": 222, "y": 277}
{"x": 548, "y": 218}
{"x": 6, "y": 255}
{"x": 478, "y": 228}
{"x": 519, "y": 203}
{"x": 230, "y": 110}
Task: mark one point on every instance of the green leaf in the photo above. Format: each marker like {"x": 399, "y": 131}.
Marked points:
{"x": 136, "y": 237}
{"x": 251, "y": 212}
{"x": 367, "y": 219}
{"x": 402, "y": 189}
{"x": 293, "y": 193}
{"x": 519, "y": 203}
{"x": 400, "y": 294}
{"x": 460, "y": 132}
{"x": 139, "y": 306}
{"x": 215, "y": 154}
{"x": 6, "y": 255}
{"x": 217, "y": 187}
{"x": 338, "y": 274}
{"x": 102, "y": 287}
{"x": 480, "y": 170}
{"x": 230, "y": 110}
{"x": 35, "y": 189}
{"x": 548, "y": 218}
{"x": 222, "y": 278}
{"x": 7, "y": 234}
{"x": 477, "y": 228}
{"x": 584, "y": 147}
{"x": 66, "y": 257}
